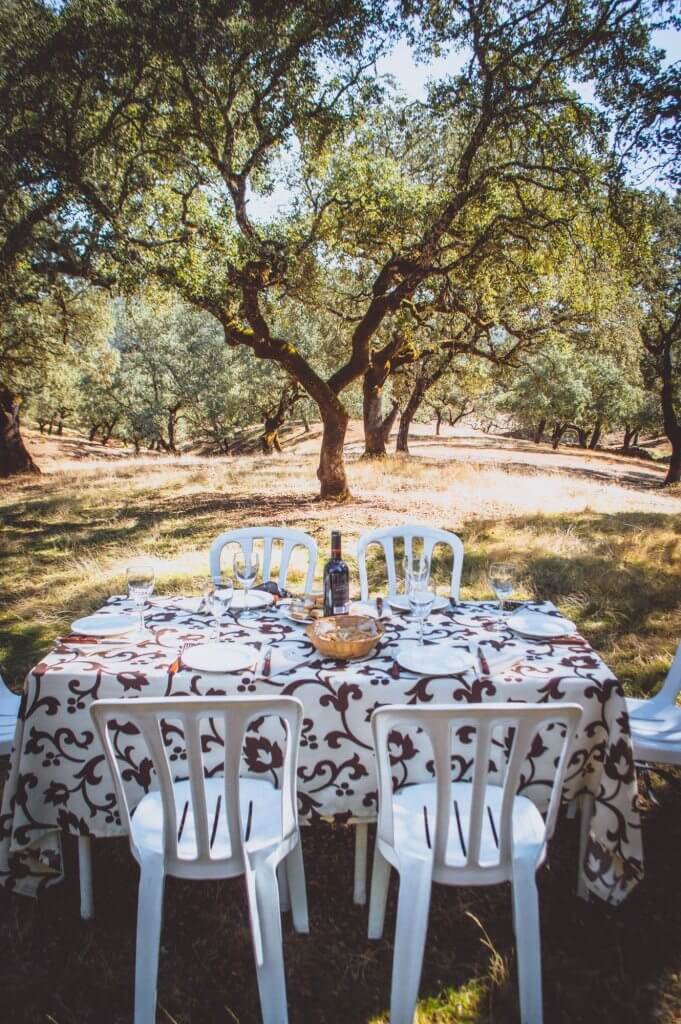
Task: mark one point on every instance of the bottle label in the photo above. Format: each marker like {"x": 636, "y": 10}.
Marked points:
{"x": 340, "y": 595}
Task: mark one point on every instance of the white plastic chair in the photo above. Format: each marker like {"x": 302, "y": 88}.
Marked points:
{"x": 463, "y": 833}
{"x": 429, "y": 537}
{"x": 9, "y": 712}
{"x": 656, "y": 723}
{"x": 269, "y": 535}
{"x": 212, "y": 828}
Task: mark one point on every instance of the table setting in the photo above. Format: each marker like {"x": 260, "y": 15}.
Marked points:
{"x": 446, "y": 651}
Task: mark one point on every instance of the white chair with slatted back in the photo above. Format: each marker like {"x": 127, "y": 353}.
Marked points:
{"x": 9, "y": 712}
{"x": 218, "y": 827}
{"x": 428, "y": 537}
{"x": 464, "y": 833}
{"x": 270, "y": 536}
{"x": 656, "y": 723}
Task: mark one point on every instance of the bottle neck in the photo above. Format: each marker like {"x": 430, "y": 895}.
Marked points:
{"x": 335, "y": 545}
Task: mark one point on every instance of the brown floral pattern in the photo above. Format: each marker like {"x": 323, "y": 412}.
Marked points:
{"x": 59, "y": 782}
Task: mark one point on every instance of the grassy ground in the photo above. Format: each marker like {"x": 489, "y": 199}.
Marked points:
{"x": 606, "y": 550}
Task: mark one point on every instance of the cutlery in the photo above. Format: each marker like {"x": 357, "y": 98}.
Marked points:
{"x": 266, "y": 664}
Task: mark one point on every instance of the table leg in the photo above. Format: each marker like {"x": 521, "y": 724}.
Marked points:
{"x": 361, "y": 840}
{"x": 87, "y": 903}
{"x": 586, "y": 811}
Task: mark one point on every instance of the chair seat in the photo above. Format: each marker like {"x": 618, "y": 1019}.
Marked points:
{"x": 260, "y": 806}
{"x": 414, "y": 810}
{"x": 655, "y": 731}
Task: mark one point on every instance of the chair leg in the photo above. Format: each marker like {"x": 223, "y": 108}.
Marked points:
{"x": 295, "y": 870}
{"x": 87, "y": 900}
{"x": 586, "y": 811}
{"x": 271, "y": 978}
{"x": 284, "y": 896}
{"x": 413, "y": 905}
{"x": 378, "y": 897}
{"x": 528, "y": 942}
{"x": 149, "y": 921}
{"x": 360, "y": 885}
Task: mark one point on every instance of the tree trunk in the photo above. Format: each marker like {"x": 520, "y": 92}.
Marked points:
{"x": 306, "y": 423}
{"x": 582, "y": 437}
{"x": 596, "y": 436}
{"x": 14, "y": 457}
{"x": 438, "y": 422}
{"x": 539, "y": 432}
{"x": 408, "y": 413}
{"x": 173, "y": 417}
{"x": 557, "y": 435}
{"x": 674, "y": 472}
{"x": 269, "y": 442}
{"x": 94, "y": 430}
{"x": 331, "y": 472}
{"x": 635, "y": 439}
{"x": 377, "y": 427}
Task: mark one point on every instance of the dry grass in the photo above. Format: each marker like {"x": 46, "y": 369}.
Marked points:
{"x": 604, "y": 548}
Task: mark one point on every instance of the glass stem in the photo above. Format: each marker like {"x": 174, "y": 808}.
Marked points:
{"x": 141, "y": 611}
{"x": 420, "y": 632}
{"x": 217, "y": 630}
{"x": 501, "y": 607}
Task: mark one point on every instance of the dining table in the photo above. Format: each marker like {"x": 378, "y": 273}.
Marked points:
{"x": 59, "y": 783}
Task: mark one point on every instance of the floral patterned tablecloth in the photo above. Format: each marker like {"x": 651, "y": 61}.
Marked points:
{"x": 59, "y": 781}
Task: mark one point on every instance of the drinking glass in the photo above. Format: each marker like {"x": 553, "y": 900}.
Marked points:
{"x": 140, "y": 579}
{"x": 218, "y": 594}
{"x": 246, "y": 568}
{"x": 502, "y": 577}
{"x": 416, "y": 567}
{"x": 420, "y": 598}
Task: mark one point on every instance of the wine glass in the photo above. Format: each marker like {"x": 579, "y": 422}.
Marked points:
{"x": 502, "y": 577}
{"x": 246, "y": 568}
{"x": 218, "y": 593}
{"x": 416, "y": 568}
{"x": 140, "y": 579}
{"x": 420, "y": 598}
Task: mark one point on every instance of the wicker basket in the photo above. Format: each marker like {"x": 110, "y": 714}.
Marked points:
{"x": 345, "y": 649}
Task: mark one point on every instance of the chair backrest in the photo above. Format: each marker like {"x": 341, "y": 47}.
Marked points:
{"x": 270, "y": 536}
{"x": 429, "y": 538}
{"x": 512, "y": 726}
{"x": 671, "y": 686}
{"x": 229, "y": 717}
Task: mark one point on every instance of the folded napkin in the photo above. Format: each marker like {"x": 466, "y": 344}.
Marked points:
{"x": 494, "y": 662}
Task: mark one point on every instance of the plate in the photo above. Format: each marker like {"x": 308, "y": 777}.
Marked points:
{"x": 219, "y": 657}
{"x": 437, "y": 660}
{"x": 400, "y": 602}
{"x": 256, "y": 599}
{"x": 105, "y": 625}
{"x": 540, "y": 625}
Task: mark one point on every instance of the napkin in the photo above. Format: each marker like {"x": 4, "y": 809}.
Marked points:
{"x": 499, "y": 660}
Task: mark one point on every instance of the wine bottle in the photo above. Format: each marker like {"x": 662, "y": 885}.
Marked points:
{"x": 336, "y": 580}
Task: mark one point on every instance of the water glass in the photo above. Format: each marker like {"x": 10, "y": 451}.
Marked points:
{"x": 246, "y": 568}
{"x": 218, "y": 594}
{"x": 502, "y": 579}
{"x": 416, "y": 567}
{"x": 140, "y": 579}
{"x": 421, "y": 599}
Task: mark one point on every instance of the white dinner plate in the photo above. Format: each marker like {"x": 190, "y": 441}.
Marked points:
{"x": 436, "y": 660}
{"x": 540, "y": 625}
{"x": 256, "y": 599}
{"x": 105, "y": 625}
{"x": 219, "y": 657}
{"x": 400, "y": 602}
